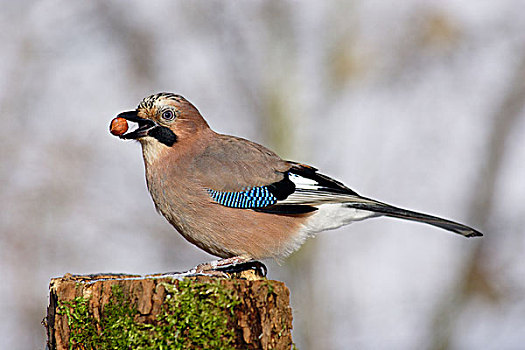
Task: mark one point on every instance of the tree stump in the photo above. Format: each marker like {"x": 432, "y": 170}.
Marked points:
{"x": 176, "y": 312}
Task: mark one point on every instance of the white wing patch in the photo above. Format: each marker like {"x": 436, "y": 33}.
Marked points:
{"x": 303, "y": 182}
{"x": 310, "y": 192}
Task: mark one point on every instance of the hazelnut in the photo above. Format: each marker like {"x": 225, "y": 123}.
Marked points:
{"x": 118, "y": 126}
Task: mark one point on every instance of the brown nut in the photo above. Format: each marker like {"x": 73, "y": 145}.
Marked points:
{"x": 118, "y": 126}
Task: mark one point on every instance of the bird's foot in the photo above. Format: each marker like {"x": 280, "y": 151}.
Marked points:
{"x": 236, "y": 264}
{"x": 253, "y": 265}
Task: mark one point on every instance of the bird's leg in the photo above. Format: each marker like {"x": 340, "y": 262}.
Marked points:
{"x": 217, "y": 264}
{"x": 232, "y": 265}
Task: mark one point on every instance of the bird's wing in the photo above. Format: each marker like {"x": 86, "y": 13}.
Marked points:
{"x": 241, "y": 174}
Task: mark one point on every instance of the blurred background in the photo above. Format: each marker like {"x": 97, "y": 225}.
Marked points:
{"x": 417, "y": 103}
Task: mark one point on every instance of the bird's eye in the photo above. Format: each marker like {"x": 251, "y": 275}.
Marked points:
{"x": 168, "y": 115}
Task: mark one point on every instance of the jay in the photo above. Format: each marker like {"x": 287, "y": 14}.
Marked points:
{"x": 236, "y": 199}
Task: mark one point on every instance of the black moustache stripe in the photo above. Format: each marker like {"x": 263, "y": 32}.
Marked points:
{"x": 163, "y": 135}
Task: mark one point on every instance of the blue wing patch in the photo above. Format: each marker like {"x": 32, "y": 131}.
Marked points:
{"x": 256, "y": 197}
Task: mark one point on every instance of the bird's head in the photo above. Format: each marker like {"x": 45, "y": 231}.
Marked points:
{"x": 163, "y": 119}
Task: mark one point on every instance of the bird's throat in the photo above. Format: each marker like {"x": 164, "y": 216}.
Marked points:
{"x": 152, "y": 150}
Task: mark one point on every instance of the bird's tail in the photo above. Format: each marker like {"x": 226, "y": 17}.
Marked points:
{"x": 391, "y": 211}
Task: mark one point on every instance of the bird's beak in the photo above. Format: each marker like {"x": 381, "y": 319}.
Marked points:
{"x": 144, "y": 125}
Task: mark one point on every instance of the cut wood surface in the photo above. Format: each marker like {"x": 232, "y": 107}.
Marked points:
{"x": 110, "y": 311}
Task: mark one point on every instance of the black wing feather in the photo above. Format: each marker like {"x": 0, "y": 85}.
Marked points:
{"x": 325, "y": 183}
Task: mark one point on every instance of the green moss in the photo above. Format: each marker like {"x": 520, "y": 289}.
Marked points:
{"x": 194, "y": 315}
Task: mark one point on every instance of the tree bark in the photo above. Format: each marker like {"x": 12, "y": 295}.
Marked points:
{"x": 179, "y": 312}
